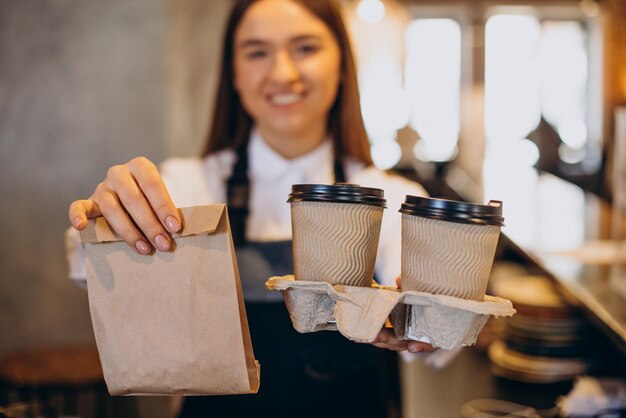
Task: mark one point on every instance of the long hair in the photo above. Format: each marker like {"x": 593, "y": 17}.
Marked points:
{"x": 231, "y": 124}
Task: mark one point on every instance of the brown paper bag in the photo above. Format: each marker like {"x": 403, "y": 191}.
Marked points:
{"x": 174, "y": 322}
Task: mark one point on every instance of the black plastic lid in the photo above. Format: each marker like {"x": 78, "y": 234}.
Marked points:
{"x": 338, "y": 193}
{"x": 453, "y": 211}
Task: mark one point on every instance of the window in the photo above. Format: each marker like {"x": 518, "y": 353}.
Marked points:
{"x": 510, "y": 86}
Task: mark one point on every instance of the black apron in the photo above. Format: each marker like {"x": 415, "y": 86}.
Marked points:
{"x": 319, "y": 374}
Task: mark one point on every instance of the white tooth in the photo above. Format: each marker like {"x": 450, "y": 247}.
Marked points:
{"x": 285, "y": 99}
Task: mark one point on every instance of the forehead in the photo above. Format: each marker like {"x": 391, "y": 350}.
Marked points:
{"x": 276, "y": 20}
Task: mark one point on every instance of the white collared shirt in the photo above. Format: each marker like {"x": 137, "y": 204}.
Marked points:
{"x": 202, "y": 181}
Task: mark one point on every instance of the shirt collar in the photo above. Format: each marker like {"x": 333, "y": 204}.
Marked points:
{"x": 267, "y": 164}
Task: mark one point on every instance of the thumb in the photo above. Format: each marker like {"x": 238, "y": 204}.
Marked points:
{"x": 80, "y": 211}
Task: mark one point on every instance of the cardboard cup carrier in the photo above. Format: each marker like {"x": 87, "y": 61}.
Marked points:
{"x": 448, "y": 247}
{"x": 335, "y": 232}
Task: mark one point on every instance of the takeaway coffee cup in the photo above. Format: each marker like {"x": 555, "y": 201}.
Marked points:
{"x": 335, "y": 232}
{"x": 448, "y": 247}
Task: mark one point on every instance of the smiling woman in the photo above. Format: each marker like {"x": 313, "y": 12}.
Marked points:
{"x": 305, "y": 42}
{"x": 286, "y": 71}
{"x": 287, "y": 112}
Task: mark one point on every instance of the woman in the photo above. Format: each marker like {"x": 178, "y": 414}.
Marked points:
{"x": 287, "y": 112}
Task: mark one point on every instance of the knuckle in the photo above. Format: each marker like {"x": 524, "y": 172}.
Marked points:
{"x": 152, "y": 181}
{"x": 128, "y": 232}
{"x": 74, "y": 206}
{"x": 116, "y": 171}
{"x": 132, "y": 198}
{"x": 161, "y": 207}
{"x": 141, "y": 162}
{"x": 101, "y": 190}
{"x": 108, "y": 205}
{"x": 152, "y": 228}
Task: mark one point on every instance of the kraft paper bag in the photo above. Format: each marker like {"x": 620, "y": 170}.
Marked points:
{"x": 173, "y": 322}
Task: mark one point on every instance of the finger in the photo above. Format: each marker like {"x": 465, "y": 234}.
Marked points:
{"x": 398, "y": 282}
{"x": 382, "y": 340}
{"x": 120, "y": 179}
{"x": 387, "y": 339}
{"x": 80, "y": 211}
{"x": 119, "y": 221}
{"x": 389, "y": 347}
{"x": 420, "y": 347}
{"x": 151, "y": 184}
{"x": 411, "y": 346}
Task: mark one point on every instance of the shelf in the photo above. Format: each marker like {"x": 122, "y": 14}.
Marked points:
{"x": 565, "y": 231}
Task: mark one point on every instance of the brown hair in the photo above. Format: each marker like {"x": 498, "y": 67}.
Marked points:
{"x": 231, "y": 124}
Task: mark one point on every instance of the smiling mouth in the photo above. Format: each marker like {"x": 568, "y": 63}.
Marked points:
{"x": 285, "y": 99}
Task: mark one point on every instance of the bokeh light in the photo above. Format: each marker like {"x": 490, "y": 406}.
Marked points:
{"x": 370, "y": 11}
{"x": 432, "y": 81}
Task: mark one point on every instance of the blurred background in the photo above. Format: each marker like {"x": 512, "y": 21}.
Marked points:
{"x": 471, "y": 98}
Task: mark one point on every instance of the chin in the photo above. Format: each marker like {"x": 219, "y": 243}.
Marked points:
{"x": 289, "y": 129}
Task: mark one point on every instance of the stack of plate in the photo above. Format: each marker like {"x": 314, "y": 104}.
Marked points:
{"x": 546, "y": 341}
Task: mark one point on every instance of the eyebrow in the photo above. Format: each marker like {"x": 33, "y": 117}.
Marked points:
{"x": 254, "y": 42}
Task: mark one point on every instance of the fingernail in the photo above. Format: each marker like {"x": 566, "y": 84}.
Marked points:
{"x": 162, "y": 243}
{"x": 143, "y": 247}
{"x": 77, "y": 223}
{"x": 172, "y": 224}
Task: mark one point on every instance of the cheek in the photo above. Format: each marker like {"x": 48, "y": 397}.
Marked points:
{"x": 330, "y": 79}
{"x": 244, "y": 79}
{"x": 236, "y": 76}
{"x": 246, "y": 84}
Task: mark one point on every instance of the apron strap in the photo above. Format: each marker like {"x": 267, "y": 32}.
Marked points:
{"x": 340, "y": 176}
{"x": 238, "y": 193}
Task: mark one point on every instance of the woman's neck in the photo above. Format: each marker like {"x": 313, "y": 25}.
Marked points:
{"x": 292, "y": 146}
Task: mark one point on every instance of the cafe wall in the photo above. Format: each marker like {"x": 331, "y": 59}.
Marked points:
{"x": 81, "y": 88}
{"x": 85, "y": 85}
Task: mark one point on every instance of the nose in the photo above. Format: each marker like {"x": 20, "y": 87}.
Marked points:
{"x": 284, "y": 69}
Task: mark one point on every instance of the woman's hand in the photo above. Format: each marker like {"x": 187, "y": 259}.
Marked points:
{"x": 387, "y": 339}
{"x": 134, "y": 201}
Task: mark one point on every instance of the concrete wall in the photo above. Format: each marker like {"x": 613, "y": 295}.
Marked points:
{"x": 195, "y": 38}
{"x": 85, "y": 85}
{"x": 82, "y": 86}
